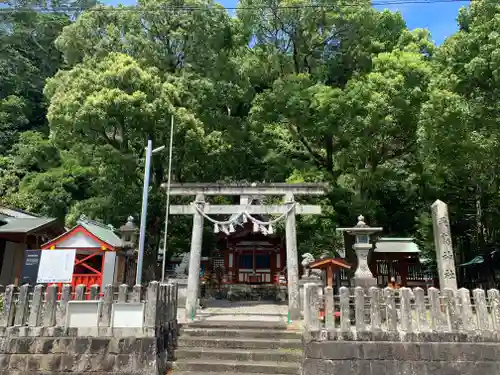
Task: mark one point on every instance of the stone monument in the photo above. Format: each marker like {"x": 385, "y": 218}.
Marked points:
{"x": 363, "y": 277}
{"x": 444, "y": 249}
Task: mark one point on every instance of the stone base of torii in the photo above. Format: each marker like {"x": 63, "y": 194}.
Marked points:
{"x": 199, "y": 208}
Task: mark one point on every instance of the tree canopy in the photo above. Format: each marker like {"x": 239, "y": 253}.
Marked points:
{"x": 278, "y": 92}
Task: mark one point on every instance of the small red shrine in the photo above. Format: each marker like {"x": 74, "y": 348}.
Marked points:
{"x": 102, "y": 257}
{"x": 330, "y": 266}
{"x": 250, "y": 256}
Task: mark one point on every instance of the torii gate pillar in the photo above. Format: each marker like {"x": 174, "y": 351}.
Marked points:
{"x": 278, "y": 189}
{"x": 292, "y": 261}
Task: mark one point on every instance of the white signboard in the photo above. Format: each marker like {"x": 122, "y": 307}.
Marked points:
{"x": 83, "y": 314}
{"x": 56, "y": 266}
{"x": 127, "y": 315}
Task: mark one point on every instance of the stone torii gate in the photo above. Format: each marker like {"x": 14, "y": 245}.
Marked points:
{"x": 289, "y": 208}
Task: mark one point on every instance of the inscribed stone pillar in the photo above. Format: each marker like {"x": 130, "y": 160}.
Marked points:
{"x": 194, "y": 262}
{"x": 292, "y": 261}
{"x": 443, "y": 245}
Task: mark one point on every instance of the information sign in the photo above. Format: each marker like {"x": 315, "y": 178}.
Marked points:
{"x": 56, "y": 266}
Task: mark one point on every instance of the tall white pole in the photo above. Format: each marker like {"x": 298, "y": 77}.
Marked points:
{"x": 142, "y": 233}
{"x": 167, "y": 209}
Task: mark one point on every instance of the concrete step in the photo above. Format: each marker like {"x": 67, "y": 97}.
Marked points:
{"x": 265, "y": 355}
{"x": 237, "y": 343}
{"x": 216, "y": 366}
{"x": 232, "y": 332}
{"x": 236, "y": 324}
{"x": 226, "y": 373}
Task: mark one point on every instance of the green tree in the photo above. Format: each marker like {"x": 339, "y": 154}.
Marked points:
{"x": 28, "y": 56}
{"x": 459, "y": 135}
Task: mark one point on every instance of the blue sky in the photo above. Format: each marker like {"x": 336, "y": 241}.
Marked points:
{"x": 438, "y": 17}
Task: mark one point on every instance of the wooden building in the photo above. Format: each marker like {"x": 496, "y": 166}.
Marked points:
{"x": 102, "y": 256}
{"x": 20, "y": 231}
{"x": 397, "y": 258}
{"x": 250, "y": 255}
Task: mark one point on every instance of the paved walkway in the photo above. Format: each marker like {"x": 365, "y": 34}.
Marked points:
{"x": 223, "y": 310}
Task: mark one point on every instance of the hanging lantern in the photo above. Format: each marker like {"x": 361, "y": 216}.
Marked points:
{"x": 216, "y": 228}
{"x": 270, "y": 229}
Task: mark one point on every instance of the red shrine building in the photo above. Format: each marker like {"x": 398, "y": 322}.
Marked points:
{"x": 102, "y": 256}
{"x": 249, "y": 255}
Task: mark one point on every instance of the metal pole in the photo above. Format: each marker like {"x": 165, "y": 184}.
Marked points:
{"x": 167, "y": 209}
{"x": 142, "y": 233}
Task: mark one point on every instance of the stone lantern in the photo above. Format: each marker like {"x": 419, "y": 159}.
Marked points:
{"x": 362, "y": 245}
{"x": 128, "y": 233}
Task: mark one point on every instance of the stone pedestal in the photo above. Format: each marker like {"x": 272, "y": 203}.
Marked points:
{"x": 363, "y": 277}
{"x": 364, "y": 282}
{"x": 304, "y": 281}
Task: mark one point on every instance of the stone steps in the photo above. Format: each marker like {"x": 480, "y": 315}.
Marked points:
{"x": 234, "y": 343}
{"x": 218, "y": 366}
{"x": 238, "y": 347}
{"x": 240, "y": 333}
{"x": 204, "y": 373}
{"x": 237, "y": 324}
{"x": 266, "y": 355}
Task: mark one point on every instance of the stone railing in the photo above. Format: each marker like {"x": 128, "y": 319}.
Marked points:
{"x": 401, "y": 314}
{"x": 28, "y": 310}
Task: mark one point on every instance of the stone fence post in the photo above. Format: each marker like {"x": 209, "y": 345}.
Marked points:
{"x": 63, "y": 305}
{"x": 21, "y": 313}
{"x": 311, "y": 296}
{"x": 151, "y": 311}
{"x": 8, "y": 306}
{"x": 43, "y": 306}
{"x": 50, "y": 306}
{"x": 329, "y": 308}
{"x": 35, "y": 315}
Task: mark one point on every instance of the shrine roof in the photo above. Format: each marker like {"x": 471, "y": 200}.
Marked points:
{"x": 24, "y": 225}
{"x": 396, "y": 245}
{"x": 103, "y": 232}
{"x": 323, "y": 263}
{"x": 474, "y": 262}
{"x": 16, "y": 213}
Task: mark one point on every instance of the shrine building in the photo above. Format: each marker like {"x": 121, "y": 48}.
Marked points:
{"x": 20, "y": 231}
{"x": 250, "y": 254}
{"x": 102, "y": 256}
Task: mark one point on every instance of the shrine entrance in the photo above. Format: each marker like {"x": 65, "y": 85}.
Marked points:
{"x": 254, "y": 257}
{"x": 247, "y": 265}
